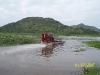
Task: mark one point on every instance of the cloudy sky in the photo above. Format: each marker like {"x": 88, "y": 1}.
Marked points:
{"x": 68, "y": 12}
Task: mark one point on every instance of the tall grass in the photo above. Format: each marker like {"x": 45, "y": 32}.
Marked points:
{"x": 91, "y": 71}
{"x": 95, "y": 44}
{"x": 13, "y": 39}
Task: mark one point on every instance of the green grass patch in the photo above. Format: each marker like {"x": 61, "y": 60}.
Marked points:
{"x": 80, "y": 50}
{"x": 91, "y": 70}
{"x": 14, "y": 39}
{"x": 95, "y": 44}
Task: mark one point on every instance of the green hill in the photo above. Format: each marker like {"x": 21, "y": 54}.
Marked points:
{"x": 86, "y": 27}
{"x": 37, "y": 25}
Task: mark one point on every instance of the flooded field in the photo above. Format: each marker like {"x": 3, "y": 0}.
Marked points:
{"x": 38, "y": 59}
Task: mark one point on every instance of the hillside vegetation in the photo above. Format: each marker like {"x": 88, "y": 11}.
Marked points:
{"x": 81, "y": 25}
{"x": 37, "y": 25}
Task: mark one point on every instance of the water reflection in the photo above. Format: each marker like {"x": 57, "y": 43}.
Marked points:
{"x": 48, "y": 50}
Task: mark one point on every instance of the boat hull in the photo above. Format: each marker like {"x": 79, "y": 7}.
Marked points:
{"x": 54, "y": 43}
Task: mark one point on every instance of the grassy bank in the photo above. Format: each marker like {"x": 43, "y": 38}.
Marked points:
{"x": 95, "y": 44}
{"x": 14, "y": 39}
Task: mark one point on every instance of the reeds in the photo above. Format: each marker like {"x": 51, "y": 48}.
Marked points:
{"x": 13, "y": 39}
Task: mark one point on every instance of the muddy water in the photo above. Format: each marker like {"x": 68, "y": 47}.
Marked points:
{"x": 38, "y": 59}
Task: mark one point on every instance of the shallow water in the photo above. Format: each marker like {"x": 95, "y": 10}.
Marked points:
{"x": 36, "y": 59}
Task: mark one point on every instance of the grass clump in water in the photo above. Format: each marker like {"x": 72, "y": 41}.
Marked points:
{"x": 95, "y": 44}
{"x": 80, "y": 50}
{"x": 13, "y": 39}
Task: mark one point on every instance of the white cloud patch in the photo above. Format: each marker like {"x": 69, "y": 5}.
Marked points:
{"x": 68, "y": 12}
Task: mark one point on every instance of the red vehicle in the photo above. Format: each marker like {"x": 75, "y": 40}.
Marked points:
{"x": 47, "y": 37}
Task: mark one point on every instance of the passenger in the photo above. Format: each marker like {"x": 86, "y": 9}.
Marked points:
{"x": 47, "y": 38}
{"x": 51, "y": 38}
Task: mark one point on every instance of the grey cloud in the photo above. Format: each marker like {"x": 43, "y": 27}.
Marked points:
{"x": 68, "y": 12}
